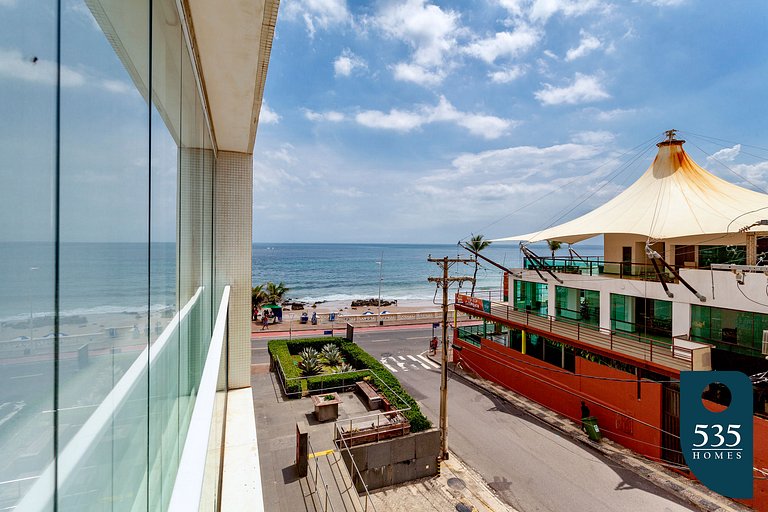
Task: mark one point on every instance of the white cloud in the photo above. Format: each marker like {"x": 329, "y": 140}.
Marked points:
{"x": 505, "y": 44}
{"x": 542, "y": 10}
{"x": 585, "y": 88}
{"x": 349, "y": 192}
{"x": 316, "y": 14}
{"x": 285, "y": 153}
{"x": 397, "y": 120}
{"x": 505, "y": 76}
{"x": 661, "y": 3}
{"x": 587, "y": 44}
{"x": 610, "y": 115}
{"x": 330, "y": 115}
{"x": 417, "y": 74}
{"x": 118, "y": 86}
{"x": 725, "y": 155}
{"x": 347, "y": 62}
{"x": 7, "y": 3}
{"x": 14, "y": 65}
{"x": 756, "y": 174}
{"x": 268, "y": 116}
{"x": 489, "y": 127}
{"x": 593, "y": 137}
{"x": 428, "y": 30}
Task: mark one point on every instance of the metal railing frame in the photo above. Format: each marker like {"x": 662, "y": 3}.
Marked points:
{"x": 669, "y": 347}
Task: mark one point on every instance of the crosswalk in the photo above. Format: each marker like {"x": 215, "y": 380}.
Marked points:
{"x": 408, "y": 363}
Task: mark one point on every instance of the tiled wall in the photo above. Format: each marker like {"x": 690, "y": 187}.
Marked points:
{"x": 233, "y": 213}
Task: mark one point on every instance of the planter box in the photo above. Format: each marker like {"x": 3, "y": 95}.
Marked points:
{"x": 326, "y": 410}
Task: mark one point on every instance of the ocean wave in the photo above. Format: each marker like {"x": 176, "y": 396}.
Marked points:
{"x": 97, "y": 310}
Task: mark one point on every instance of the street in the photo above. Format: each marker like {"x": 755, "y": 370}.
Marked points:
{"x": 531, "y": 466}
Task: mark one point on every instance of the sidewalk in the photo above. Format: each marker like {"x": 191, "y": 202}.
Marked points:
{"x": 457, "y": 488}
{"x": 697, "y": 494}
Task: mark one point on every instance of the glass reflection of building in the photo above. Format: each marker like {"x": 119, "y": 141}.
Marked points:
{"x": 126, "y": 230}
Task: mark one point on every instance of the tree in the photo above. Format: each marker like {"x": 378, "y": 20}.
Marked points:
{"x": 477, "y": 243}
{"x": 275, "y": 292}
{"x": 554, "y": 245}
{"x": 258, "y": 297}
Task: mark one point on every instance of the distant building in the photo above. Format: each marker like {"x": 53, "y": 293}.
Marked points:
{"x": 600, "y": 329}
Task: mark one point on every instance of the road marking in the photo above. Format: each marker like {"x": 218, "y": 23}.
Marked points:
{"x": 319, "y": 454}
{"x": 377, "y": 341}
{"x": 402, "y": 365}
{"x": 401, "y": 358}
{"x": 416, "y": 360}
{"x": 429, "y": 361}
{"x": 27, "y": 376}
{"x": 258, "y": 348}
{"x": 416, "y": 338}
{"x": 73, "y": 408}
{"x": 387, "y": 366}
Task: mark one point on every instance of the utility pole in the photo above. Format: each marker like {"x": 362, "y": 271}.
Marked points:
{"x": 445, "y": 282}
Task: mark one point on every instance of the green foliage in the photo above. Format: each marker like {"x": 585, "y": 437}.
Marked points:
{"x": 309, "y": 353}
{"x": 334, "y": 381}
{"x": 388, "y": 385}
{"x": 344, "y": 368}
{"x": 332, "y": 354}
{"x": 258, "y": 297}
{"x": 554, "y": 245}
{"x": 477, "y": 243}
{"x": 310, "y": 366}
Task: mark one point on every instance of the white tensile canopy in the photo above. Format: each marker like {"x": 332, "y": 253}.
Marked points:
{"x": 674, "y": 198}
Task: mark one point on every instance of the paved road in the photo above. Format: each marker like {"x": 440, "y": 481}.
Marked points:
{"x": 529, "y": 464}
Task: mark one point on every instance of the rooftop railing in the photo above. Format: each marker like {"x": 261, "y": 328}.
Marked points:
{"x": 687, "y": 356}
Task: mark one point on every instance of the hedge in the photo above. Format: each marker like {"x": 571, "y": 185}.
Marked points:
{"x": 389, "y": 386}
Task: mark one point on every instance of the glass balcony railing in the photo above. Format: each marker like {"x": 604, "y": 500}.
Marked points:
{"x": 596, "y": 266}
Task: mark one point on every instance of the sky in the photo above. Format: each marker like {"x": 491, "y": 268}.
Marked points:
{"x": 414, "y": 121}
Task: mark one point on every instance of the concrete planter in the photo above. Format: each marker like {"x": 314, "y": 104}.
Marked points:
{"x": 326, "y": 408}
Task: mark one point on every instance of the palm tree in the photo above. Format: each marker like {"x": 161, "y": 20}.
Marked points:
{"x": 554, "y": 245}
{"x": 258, "y": 297}
{"x": 477, "y": 243}
{"x": 275, "y": 292}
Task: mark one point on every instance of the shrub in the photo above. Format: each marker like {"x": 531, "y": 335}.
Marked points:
{"x": 332, "y": 354}
{"x": 389, "y": 386}
{"x": 344, "y": 368}
{"x": 309, "y": 353}
{"x": 310, "y": 366}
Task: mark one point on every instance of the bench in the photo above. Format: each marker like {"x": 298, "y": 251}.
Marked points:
{"x": 372, "y": 397}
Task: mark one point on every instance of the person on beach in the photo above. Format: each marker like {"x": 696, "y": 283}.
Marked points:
{"x": 264, "y": 321}
{"x": 433, "y": 345}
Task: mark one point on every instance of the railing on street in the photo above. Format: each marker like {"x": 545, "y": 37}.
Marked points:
{"x": 345, "y": 446}
{"x": 318, "y": 488}
{"x": 689, "y": 356}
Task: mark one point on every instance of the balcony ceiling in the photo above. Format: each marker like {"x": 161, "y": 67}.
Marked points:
{"x": 233, "y": 41}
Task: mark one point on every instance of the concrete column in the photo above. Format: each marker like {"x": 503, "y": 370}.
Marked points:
{"x": 751, "y": 248}
{"x": 681, "y": 318}
{"x": 551, "y": 297}
{"x": 233, "y": 212}
{"x": 605, "y": 310}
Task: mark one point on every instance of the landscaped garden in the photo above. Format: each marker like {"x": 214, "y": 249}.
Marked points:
{"x": 310, "y": 365}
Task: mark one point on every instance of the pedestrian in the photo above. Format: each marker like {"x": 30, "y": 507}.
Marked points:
{"x": 433, "y": 345}
{"x": 584, "y": 414}
{"x": 264, "y": 320}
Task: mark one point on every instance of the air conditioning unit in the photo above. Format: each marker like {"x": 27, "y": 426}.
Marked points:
{"x": 765, "y": 343}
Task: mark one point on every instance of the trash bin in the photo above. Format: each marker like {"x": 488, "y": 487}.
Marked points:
{"x": 590, "y": 426}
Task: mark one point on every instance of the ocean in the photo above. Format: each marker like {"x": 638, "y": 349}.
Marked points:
{"x": 112, "y": 277}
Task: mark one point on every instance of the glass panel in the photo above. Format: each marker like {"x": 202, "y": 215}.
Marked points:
{"x": 531, "y": 297}
{"x": 104, "y": 134}
{"x": 165, "y": 161}
{"x": 733, "y": 254}
{"x": 28, "y": 43}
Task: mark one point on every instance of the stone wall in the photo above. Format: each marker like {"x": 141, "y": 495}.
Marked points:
{"x": 395, "y": 461}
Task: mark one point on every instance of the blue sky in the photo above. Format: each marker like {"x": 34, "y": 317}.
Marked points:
{"x": 417, "y": 121}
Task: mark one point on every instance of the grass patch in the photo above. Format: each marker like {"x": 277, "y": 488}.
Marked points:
{"x": 284, "y": 350}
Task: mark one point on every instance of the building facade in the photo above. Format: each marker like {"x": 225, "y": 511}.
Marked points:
{"x": 677, "y": 289}
{"x": 125, "y": 249}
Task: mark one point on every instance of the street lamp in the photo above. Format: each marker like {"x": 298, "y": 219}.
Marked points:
{"x": 381, "y": 269}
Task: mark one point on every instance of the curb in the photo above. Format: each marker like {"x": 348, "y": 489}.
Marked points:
{"x": 677, "y": 485}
